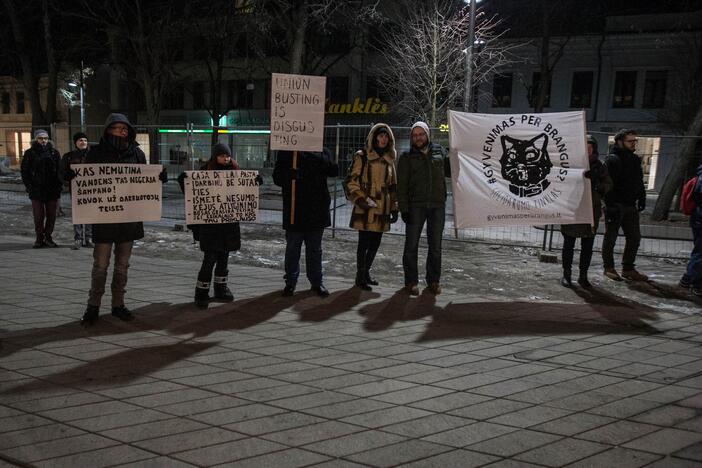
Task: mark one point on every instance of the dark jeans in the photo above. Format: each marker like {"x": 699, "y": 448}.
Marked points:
{"x": 44, "y": 217}
{"x": 213, "y": 259}
{"x": 434, "y": 217}
{"x": 626, "y": 217}
{"x": 368, "y": 244}
{"x": 83, "y": 232}
{"x": 585, "y": 253}
{"x": 101, "y": 260}
{"x": 313, "y": 256}
{"x": 693, "y": 274}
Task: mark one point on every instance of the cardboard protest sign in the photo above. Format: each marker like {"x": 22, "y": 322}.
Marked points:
{"x": 297, "y": 112}
{"x": 218, "y": 197}
{"x": 116, "y": 193}
{"x": 520, "y": 169}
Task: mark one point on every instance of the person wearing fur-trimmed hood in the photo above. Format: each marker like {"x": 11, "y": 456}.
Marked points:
{"x": 372, "y": 188}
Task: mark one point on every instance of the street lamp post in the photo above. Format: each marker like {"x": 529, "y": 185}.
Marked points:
{"x": 81, "y": 87}
{"x": 467, "y": 104}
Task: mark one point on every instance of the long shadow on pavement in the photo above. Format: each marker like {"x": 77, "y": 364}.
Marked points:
{"x": 399, "y": 307}
{"x": 337, "y": 303}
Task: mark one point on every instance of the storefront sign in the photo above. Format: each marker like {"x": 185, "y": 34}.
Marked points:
{"x": 369, "y": 106}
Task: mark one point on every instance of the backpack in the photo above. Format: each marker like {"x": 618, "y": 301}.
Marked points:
{"x": 347, "y": 179}
{"x": 687, "y": 200}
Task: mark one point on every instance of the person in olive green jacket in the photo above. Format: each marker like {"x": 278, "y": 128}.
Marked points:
{"x": 421, "y": 196}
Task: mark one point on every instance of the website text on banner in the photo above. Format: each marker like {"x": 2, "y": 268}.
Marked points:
{"x": 220, "y": 197}
{"x": 519, "y": 170}
{"x": 116, "y": 193}
{"x": 297, "y": 112}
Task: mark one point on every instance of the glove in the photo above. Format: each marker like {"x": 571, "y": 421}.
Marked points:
{"x": 70, "y": 174}
{"x": 587, "y": 174}
{"x": 363, "y": 204}
{"x": 641, "y": 204}
{"x": 393, "y": 217}
{"x": 163, "y": 176}
{"x": 405, "y": 216}
{"x": 259, "y": 179}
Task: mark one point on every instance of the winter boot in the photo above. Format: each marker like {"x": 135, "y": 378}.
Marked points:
{"x": 221, "y": 290}
{"x": 48, "y": 241}
{"x": 370, "y": 280}
{"x": 566, "y": 279}
{"x": 39, "y": 243}
{"x": 90, "y": 316}
{"x": 583, "y": 281}
{"x": 362, "y": 281}
{"x": 202, "y": 295}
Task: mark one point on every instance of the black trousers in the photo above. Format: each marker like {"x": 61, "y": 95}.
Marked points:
{"x": 368, "y": 244}
{"x": 586, "y": 244}
{"x": 213, "y": 259}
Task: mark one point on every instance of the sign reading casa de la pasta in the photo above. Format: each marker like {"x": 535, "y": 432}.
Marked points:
{"x": 519, "y": 169}
{"x": 297, "y": 112}
{"x": 217, "y": 197}
{"x": 116, "y": 193}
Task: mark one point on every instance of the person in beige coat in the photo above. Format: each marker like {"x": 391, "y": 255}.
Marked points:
{"x": 372, "y": 188}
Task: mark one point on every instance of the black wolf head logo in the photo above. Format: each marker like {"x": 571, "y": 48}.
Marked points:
{"x": 525, "y": 164}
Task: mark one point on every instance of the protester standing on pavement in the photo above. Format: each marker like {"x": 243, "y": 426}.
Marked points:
{"x": 118, "y": 145}
{"x": 692, "y": 278}
{"x": 421, "y": 196}
{"x": 40, "y": 175}
{"x": 600, "y": 184}
{"x": 622, "y": 206}
{"x": 216, "y": 240}
{"x": 302, "y": 175}
{"x": 372, "y": 187}
{"x": 82, "y": 233}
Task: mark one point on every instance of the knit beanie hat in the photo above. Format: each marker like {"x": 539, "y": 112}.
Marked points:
{"x": 40, "y": 133}
{"x": 423, "y": 126}
{"x": 220, "y": 148}
{"x": 78, "y": 136}
{"x": 591, "y": 141}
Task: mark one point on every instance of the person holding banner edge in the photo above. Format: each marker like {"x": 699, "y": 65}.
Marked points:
{"x": 117, "y": 145}
{"x": 372, "y": 187}
{"x": 216, "y": 240}
{"x": 421, "y": 196}
{"x": 600, "y": 184}
{"x": 302, "y": 175}
{"x": 622, "y": 206}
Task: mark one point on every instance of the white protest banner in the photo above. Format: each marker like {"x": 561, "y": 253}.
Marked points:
{"x": 519, "y": 170}
{"x": 116, "y": 193}
{"x": 297, "y": 112}
{"x": 218, "y": 197}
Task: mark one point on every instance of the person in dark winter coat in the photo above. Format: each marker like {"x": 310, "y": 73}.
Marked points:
{"x": 305, "y": 212}
{"x": 216, "y": 240}
{"x": 372, "y": 187}
{"x": 118, "y": 145}
{"x": 692, "y": 278}
{"x": 82, "y": 233}
{"x": 421, "y": 196}
{"x": 622, "y": 206}
{"x": 600, "y": 184}
{"x": 41, "y": 178}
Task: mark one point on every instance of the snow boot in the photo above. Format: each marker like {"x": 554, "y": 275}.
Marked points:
{"x": 370, "y": 280}
{"x": 566, "y": 279}
{"x": 361, "y": 281}
{"x": 90, "y": 316}
{"x": 221, "y": 290}
{"x": 202, "y": 295}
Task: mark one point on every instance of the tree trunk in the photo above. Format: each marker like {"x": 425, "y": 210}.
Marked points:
{"x": 544, "y": 72}
{"x": 52, "y": 66}
{"x": 297, "y": 48}
{"x": 674, "y": 179}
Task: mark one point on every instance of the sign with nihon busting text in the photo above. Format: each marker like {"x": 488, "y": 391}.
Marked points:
{"x": 519, "y": 169}
{"x": 220, "y": 197}
{"x": 116, "y": 193}
{"x": 297, "y": 112}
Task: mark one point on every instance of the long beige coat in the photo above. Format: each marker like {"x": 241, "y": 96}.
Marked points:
{"x": 377, "y": 182}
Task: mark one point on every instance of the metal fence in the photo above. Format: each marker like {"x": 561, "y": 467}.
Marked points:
{"x": 180, "y": 148}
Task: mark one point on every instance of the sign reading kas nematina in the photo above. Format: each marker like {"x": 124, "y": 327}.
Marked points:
{"x": 219, "y": 197}
{"x": 297, "y": 112}
{"x": 116, "y": 193}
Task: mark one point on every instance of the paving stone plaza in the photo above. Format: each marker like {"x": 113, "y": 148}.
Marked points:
{"x": 357, "y": 379}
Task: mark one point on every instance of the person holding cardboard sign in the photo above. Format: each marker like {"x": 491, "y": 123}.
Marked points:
{"x": 117, "y": 145}
{"x": 303, "y": 178}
